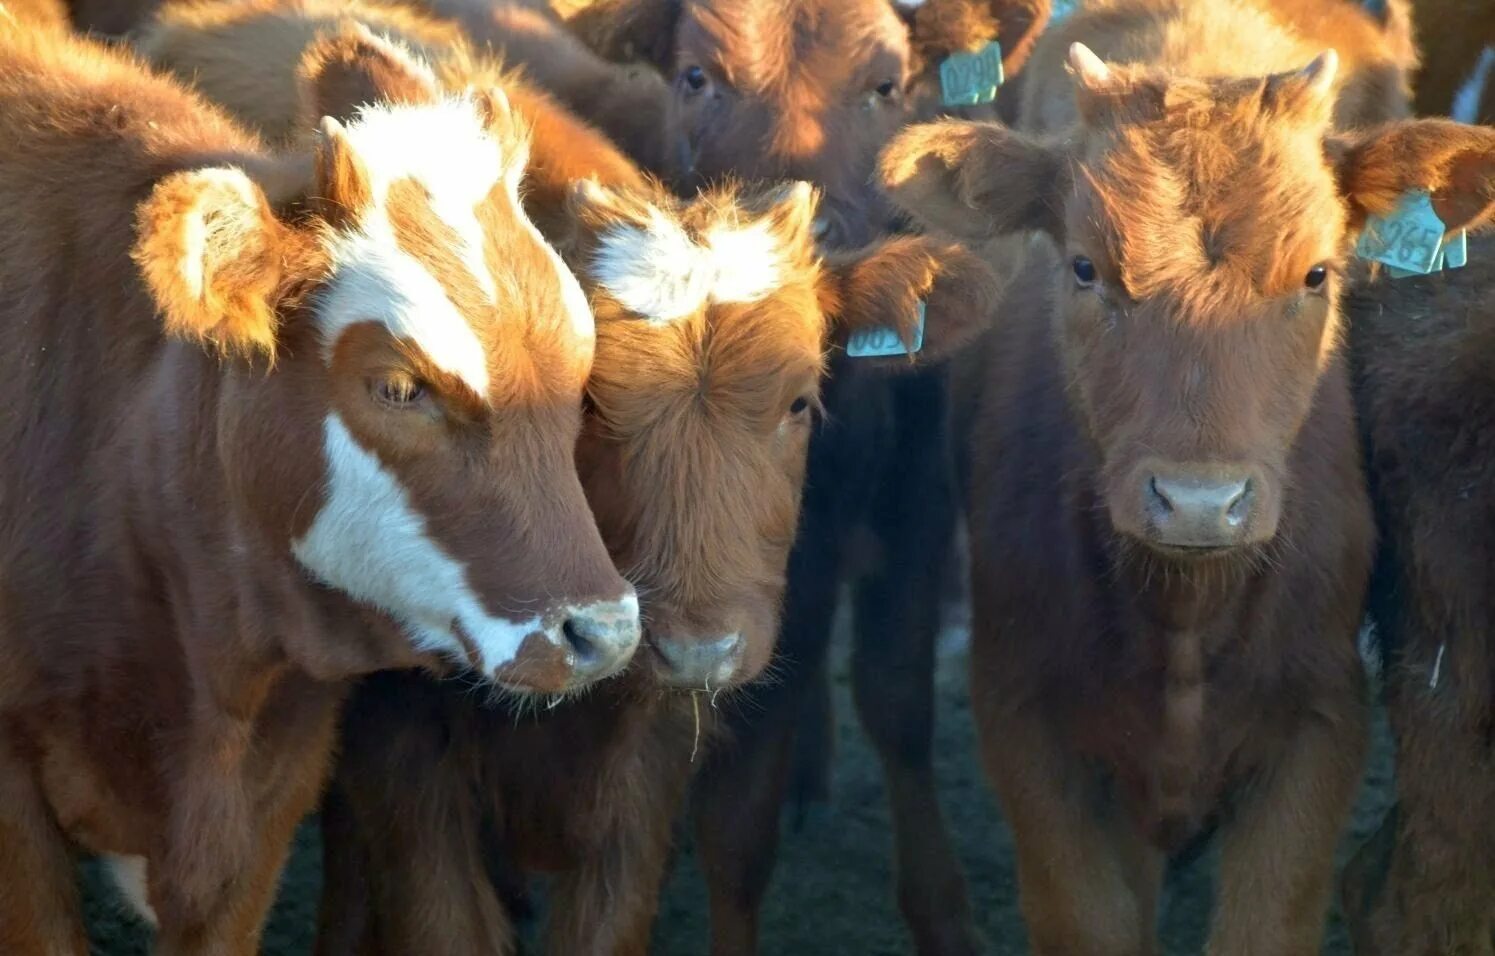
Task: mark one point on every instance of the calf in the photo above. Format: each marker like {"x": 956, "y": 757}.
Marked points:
{"x": 315, "y": 443}
{"x": 812, "y": 89}
{"x": 1170, "y": 537}
{"x": 1423, "y": 354}
{"x": 702, "y": 398}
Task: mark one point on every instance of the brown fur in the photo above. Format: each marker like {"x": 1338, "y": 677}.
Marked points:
{"x": 1130, "y": 697}
{"x": 1423, "y": 350}
{"x": 172, "y": 677}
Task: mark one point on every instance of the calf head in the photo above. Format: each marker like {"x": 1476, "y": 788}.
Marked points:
{"x": 1203, "y": 227}
{"x": 807, "y": 89}
{"x": 714, "y": 317}
{"x": 401, "y": 396}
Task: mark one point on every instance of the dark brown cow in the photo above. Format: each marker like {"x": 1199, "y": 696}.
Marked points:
{"x": 1451, "y": 34}
{"x": 693, "y": 461}
{"x": 270, "y": 454}
{"x": 1423, "y": 352}
{"x": 1170, "y": 537}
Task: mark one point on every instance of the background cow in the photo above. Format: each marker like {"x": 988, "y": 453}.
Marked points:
{"x": 274, "y": 451}
{"x": 1423, "y": 352}
{"x": 1170, "y": 536}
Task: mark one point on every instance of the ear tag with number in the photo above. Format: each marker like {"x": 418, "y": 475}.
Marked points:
{"x": 1407, "y": 238}
{"x": 882, "y": 340}
{"x": 1062, "y": 10}
{"x": 971, "y": 79}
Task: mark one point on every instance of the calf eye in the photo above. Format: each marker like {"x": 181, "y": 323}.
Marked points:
{"x": 1084, "y": 272}
{"x": 399, "y": 390}
{"x": 694, "y": 78}
{"x": 1316, "y": 276}
{"x": 799, "y": 406}
{"x": 886, "y": 89}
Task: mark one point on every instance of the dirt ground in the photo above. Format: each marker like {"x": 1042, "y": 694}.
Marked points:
{"x": 833, "y": 891}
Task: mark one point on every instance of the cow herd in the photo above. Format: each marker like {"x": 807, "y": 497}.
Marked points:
{"x": 462, "y": 420}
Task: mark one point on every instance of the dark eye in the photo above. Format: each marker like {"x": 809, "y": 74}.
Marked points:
{"x": 886, "y": 89}
{"x": 1084, "y": 272}
{"x": 799, "y": 406}
{"x": 694, "y": 78}
{"x": 1316, "y": 276}
{"x": 399, "y": 390}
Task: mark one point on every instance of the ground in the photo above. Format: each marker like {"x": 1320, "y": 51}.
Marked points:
{"x": 833, "y": 892}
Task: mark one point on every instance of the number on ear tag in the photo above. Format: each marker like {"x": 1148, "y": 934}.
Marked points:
{"x": 1407, "y": 238}
{"x": 882, "y": 340}
{"x": 970, "y": 79}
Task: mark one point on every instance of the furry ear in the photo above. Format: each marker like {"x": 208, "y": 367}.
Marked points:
{"x": 881, "y": 287}
{"x": 976, "y": 180}
{"x": 211, "y": 254}
{"x": 351, "y": 66}
{"x": 1454, "y": 162}
{"x": 625, "y": 31}
{"x": 938, "y": 28}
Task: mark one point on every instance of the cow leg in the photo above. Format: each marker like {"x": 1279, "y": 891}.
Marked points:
{"x": 740, "y": 791}
{"x": 39, "y": 913}
{"x": 897, "y": 624}
{"x": 1277, "y": 859}
{"x": 1439, "y": 893}
{"x": 737, "y": 805}
{"x": 1088, "y": 883}
{"x": 345, "y": 916}
{"x": 606, "y": 906}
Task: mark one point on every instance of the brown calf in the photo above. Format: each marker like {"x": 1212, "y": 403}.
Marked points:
{"x": 275, "y": 451}
{"x": 1170, "y": 537}
{"x": 693, "y": 460}
{"x": 1423, "y": 353}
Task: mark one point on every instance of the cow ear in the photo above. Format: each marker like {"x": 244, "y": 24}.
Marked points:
{"x": 351, "y": 66}
{"x": 626, "y": 31}
{"x": 1452, "y": 161}
{"x": 883, "y": 286}
{"x": 211, "y": 253}
{"x": 976, "y": 180}
{"x": 938, "y": 28}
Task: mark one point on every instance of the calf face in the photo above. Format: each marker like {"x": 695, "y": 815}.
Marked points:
{"x": 407, "y": 436}
{"x": 809, "y": 89}
{"x": 1204, "y": 227}
{"x": 714, "y": 317}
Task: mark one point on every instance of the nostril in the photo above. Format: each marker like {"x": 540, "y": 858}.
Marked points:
{"x": 1239, "y": 507}
{"x": 581, "y": 637}
{"x": 1158, "y": 497}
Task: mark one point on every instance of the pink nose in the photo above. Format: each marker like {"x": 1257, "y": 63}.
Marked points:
{"x": 690, "y": 662}
{"x": 1188, "y": 509}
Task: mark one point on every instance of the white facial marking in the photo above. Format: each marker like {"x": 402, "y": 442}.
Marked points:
{"x": 662, "y": 274}
{"x": 368, "y": 542}
{"x": 1466, "y": 101}
{"x": 129, "y": 875}
{"x": 446, "y": 148}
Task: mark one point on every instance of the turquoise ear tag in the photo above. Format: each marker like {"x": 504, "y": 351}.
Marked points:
{"x": 1455, "y": 253}
{"x": 970, "y": 79}
{"x": 1062, "y": 10}
{"x": 880, "y": 341}
{"x": 1407, "y": 238}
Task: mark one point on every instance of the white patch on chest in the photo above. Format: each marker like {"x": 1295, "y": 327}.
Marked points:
{"x": 129, "y": 875}
{"x": 368, "y": 542}
{"x": 662, "y": 274}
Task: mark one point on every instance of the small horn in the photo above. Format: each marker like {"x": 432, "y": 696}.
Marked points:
{"x": 1089, "y": 70}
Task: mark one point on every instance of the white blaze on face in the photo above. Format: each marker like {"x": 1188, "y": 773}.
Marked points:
{"x": 662, "y": 274}
{"x": 368, "y": 542}
{"x": 447, "y": 149}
